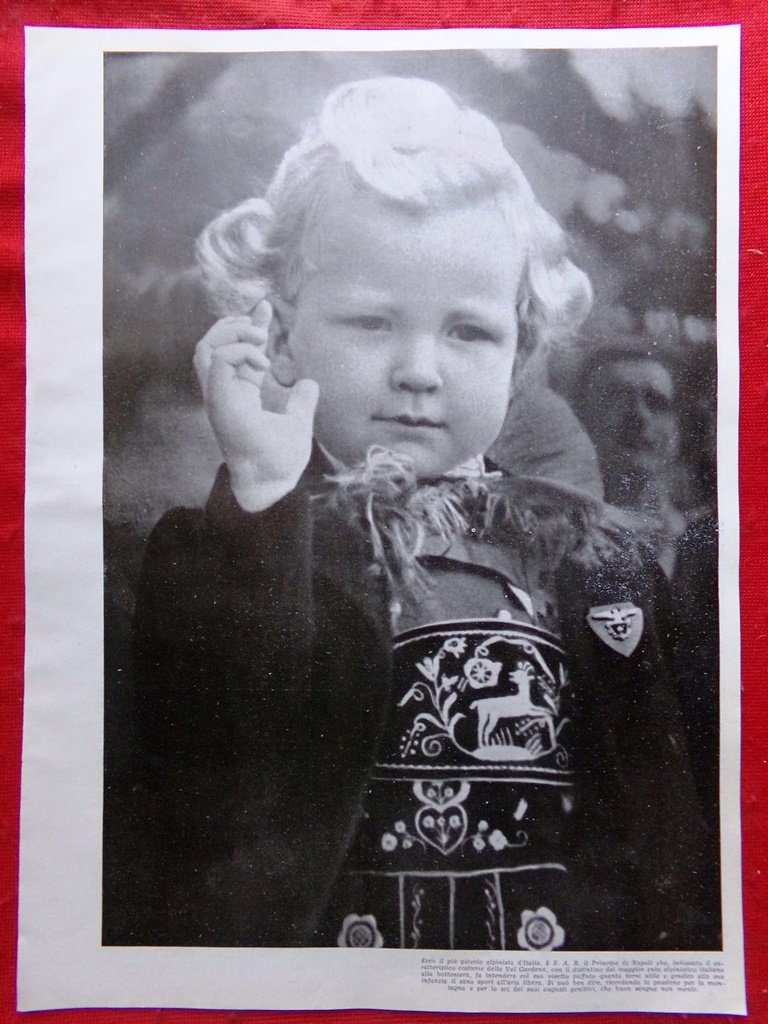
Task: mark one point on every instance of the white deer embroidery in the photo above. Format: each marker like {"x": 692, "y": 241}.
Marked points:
{"x": 492, "y": 710}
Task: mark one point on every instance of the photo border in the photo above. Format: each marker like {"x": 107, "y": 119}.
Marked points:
{"x": 63, "y": 506}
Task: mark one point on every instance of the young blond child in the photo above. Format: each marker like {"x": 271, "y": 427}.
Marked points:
{"x": 387, "y": 695}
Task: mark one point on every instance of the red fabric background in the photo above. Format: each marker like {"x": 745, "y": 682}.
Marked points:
{"x": 753, "y": 16}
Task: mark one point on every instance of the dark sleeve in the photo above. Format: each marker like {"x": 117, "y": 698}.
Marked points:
{"x": 244, "y": 711}
{"x": 642, "y": 815}
{"x": 695, "y": 587}
{"x": 223, "y": 610}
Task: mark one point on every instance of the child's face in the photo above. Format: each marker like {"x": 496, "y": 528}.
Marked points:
{"x": 408, "y": 323}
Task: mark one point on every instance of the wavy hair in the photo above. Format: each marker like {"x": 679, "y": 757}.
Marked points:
{"x": 412, "y": 145}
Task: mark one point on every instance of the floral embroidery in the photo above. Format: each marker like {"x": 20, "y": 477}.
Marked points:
{"x": 480, "y": 672}
{"x": 539, "y": 931}
{"x": 478, "y": 839}
{"x": 400, "y": 837}
{"x": 491, "y": 913}
{"x": 455, "y": 645}
{"x": 441, "y": 693}
{"x": 442, "y": 823}
{"x": 418, "y": 893}
{"x": 519, "y": 722}
{"x": 495, "y": 839}
{"x": 360, "y": 932}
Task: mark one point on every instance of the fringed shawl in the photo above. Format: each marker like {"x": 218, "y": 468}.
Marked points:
{"x": 544, "y": 522}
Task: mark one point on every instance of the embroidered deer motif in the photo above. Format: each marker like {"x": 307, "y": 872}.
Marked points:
{"x": 493, "y": 710}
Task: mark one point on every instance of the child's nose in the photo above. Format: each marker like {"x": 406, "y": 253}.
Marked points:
{"x": 417, "y": 364}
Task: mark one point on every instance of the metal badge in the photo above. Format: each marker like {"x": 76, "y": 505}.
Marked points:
{"x": 620, "y": 626}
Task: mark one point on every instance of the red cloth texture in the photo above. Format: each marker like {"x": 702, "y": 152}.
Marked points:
{"x": 370, "y": 14}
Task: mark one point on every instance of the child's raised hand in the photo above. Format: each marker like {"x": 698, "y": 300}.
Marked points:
{"x": 264, "y": 431}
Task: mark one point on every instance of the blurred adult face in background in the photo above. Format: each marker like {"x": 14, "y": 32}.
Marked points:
{"x": 631, "y": 417}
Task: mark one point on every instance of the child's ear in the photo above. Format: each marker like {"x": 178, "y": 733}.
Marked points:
{"x": 278, "y": 345}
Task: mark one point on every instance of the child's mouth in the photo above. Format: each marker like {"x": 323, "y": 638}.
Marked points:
{"x": 411, "y": 421}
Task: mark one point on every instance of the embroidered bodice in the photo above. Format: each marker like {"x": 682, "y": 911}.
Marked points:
{"x": 465, "y": 837}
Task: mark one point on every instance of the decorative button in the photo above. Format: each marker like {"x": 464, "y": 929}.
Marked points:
{"x": 360, "y": 932}
{"x": 539, "y": 931}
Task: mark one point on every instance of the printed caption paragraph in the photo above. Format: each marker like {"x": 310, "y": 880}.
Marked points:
{"x": 526, "y": 974}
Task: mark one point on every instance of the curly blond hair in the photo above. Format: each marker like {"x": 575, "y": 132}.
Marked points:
{"x": 413, "y": 146}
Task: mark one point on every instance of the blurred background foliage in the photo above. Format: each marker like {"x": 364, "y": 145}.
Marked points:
{"x": 618, "y": 144}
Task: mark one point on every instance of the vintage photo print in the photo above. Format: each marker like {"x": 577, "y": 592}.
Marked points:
{"x": 411, "y": 437}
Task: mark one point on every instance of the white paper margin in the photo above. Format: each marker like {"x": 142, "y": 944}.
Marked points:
{"x": 61, "y": 960}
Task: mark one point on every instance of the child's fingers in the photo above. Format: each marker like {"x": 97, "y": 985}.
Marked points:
{"x": 245, "y": 371}
{"x": 302, "y": 399}
{"x": 236, "y": 328}
{"x": 228, "y": 331}
{"x": 230, "y": 363}
{"x": 239, "y": 354}
{"x": 235, "y": 353}
{"x": 261, "y": 315}
{"x": 274, "y": 397}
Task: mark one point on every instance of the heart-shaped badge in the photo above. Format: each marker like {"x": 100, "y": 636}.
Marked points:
{"x": 619, "y": 626}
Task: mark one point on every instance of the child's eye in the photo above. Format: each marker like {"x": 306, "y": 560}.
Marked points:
{"x": 368, "y": 323}
{"x": 471, "y": 332}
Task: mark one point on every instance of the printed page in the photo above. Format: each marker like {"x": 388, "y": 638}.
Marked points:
{"x": 382, "y": 521}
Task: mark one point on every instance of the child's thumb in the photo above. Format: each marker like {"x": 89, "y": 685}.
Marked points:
{"x": 261, "y": 314}
{"x": 303, "y": 398}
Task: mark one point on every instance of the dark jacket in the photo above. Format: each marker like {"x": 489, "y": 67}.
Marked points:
{"x": 262, "y": 657}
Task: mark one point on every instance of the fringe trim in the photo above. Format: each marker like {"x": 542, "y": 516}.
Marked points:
{"x": 543, "y": 524}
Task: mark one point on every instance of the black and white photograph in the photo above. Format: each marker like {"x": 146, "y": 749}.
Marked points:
{"x": 413, "y": 396}
{"x": 410, "y": 507}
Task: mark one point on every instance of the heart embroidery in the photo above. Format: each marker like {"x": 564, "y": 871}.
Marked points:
{"x": 444, "y": 829}
{"x": 442, "y": 821}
